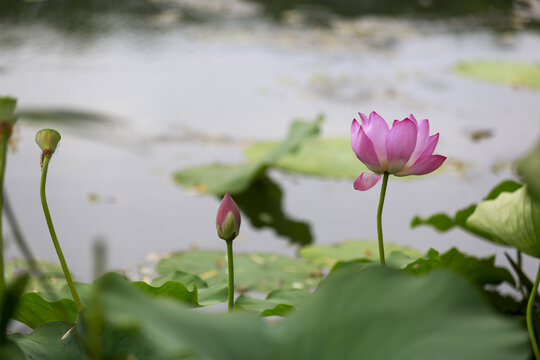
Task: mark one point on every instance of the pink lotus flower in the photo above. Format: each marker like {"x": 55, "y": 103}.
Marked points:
{"x": 228, "y": 219}
{"x": 405, "y": 149}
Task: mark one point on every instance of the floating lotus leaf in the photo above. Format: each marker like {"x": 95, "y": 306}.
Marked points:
{"x": 331, "y": 158}
{"x": 253, "y": 271}
{"x": 502, "y": 72}
{"x": 329, "y": 255}
{"x": 277, "y": 303}
{"x": 218, "y": 179}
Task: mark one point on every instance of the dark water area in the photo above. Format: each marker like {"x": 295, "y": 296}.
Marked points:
{"x": 140, "y": 89}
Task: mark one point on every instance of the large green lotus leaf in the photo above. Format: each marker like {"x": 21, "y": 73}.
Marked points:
{"x": 443, "y": 222}
{"x": 480, "y": 271}
{"x": 277, "y": 303}
{"x": 379, "y": 313}
{"x": 529, "y": 169}
{"x": 11, "y": 351}
{"x": 185, "y": 287}
{"x": 253, "y": 271}
{"x": 34, "y": 310}
{"x": 512, "y": 218}
{"x": 502, "y": 72}
{"x": 218, "y": 179}
{"x": 329, "y": 255}
{"x": 318, "y": 157}
{"x": 46, "y": 343}
{"x": 376, "y": 313}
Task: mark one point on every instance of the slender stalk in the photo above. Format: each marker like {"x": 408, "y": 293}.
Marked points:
{"x": 65, "y": 268}
{"x": 231, "y": 275}
{"x": 23, "y": 246}
{"x": 379, "y": 218}
{"x": 519, "y": 262}
{"x": 530, "y": 306}
{"x": 3, "y": 153}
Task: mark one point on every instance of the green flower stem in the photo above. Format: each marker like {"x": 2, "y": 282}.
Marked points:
{"x": 530, "y": 306}
{"x": 231, "y": 275}
{"x": 65, "y": 268}
{"x": 379, "y": 217}
{"x": 3, "y": 155}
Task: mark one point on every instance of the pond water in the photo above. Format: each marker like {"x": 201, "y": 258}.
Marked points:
{"x": 186, "y": 89}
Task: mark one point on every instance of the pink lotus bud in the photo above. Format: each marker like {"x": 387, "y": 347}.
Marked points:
{"x": 228, "y": 219}
{"x": 405, "y": 149}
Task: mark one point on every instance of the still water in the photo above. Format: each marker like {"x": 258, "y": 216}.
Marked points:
{"x": 184, "y": 91}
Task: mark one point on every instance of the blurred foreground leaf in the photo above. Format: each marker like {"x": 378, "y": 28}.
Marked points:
{"x": 329, "y": 255}
{"x": 47, "y": 343}
{"x": 499, "y": 72}
{"x": 434, "y": 316}
{"x": 253, "y": 271}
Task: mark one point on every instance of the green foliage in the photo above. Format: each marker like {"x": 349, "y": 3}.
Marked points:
{"x": 480, "y": 272}
{"x": 331, "y": 158}
{"x": 329, "y": 255}
{"x": 376, "y": 313}
{"x": 35, "y": 311}
{"x": 444, "y": 222}
{"x": 512, "y": 219}
{"x": 186, "y": 288}
{"x": 49, "y": 342}
{"x": 218, "y": 179}
{"x": 277, "y": 303}
{"x": 253, "y": 271}
{"x": 499, "y": 72}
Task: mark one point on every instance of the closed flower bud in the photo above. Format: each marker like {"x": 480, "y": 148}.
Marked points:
{"x": 48, "y": 139}
{"x": 228, "y": 219}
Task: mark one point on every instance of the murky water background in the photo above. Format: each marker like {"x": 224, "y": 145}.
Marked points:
{"x": 194, "y": 92}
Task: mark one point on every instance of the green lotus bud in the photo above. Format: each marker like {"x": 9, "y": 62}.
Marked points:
{"x": 48, "y": 139}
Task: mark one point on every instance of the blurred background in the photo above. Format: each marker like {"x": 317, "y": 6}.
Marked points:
{"x": 141, "y": 89}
